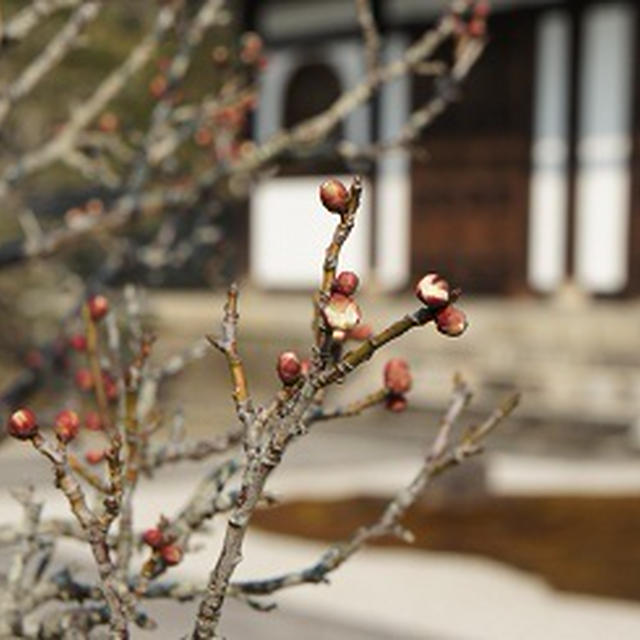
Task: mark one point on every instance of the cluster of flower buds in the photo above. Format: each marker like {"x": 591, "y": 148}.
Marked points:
{"x": 170, "y": 553}
{"x": 397, "y": 381}
{"x": 435, "y": 293}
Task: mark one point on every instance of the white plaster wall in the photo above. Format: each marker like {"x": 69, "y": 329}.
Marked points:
{"x": 393, "y": 184}
{"x": 549, "y": 184}
{"x": 603, "y": 181}
{"x": 290, "y": 230}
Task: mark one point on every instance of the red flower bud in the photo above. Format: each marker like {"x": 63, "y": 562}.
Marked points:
{"x": 78, "y": 342}
{"x": 93, "y": 421}
{"x": 98, "y": 307}
{"x": 346, "y": 283}
{"x": 22, "y": 424}
{"x": 154, "y": 538}
{"x": 397, "y": 376}
{"x": 451, "y": 321}
{"x": 334, "y": 195}
{"x": 396, "y": 403}
{"x": 289, "y": 367}
{"x": 84, "y": 379}
{"x": 433, "y": 291}
{"x": 171, "y": 554}
{"x": 360, "y": 332}
{"x": 110, "y": 387}
{"x": 341, "y": 313}
{"x": 67, "y": 425}
{"x": 94, "y": 456}
{"x": 477, "y": 28}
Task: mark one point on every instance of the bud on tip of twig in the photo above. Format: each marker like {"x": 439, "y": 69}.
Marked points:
{"x": 433, "y": 290}
{"x": 334, "y": 196}
{"x": 22, "y": 424}
{"x": 67, "y": 425}
{"x": 346, "y": 283}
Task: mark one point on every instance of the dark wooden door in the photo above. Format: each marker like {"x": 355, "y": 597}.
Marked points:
{"x": 633, "y": 284}
{"x": 470, "y": 196}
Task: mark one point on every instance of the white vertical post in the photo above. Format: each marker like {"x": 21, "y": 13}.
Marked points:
{"x": 393, "y": 184}
{"x": 548, "y": 194}
{"x": 604, "y": 149}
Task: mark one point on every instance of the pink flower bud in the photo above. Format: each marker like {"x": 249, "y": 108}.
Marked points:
{"x": 154, "y": 538}
{"x": 172, "y": 554}
{"x": 305, "y": 366}
{"x": 98, "y": 307}
{"x": 94, "y": 456}
{"x": 67, "y": 425}
{"x": 341, "y": 313}
{"x": 346, "y": 283}
{"x": 289, "y": 367}
{"x": 22, "y": 424}
{"x": 396, "y": 403}
{"x": 110, "y": 387}
{"x": 78, "y": 342}
{"x": 433, "y": 291}
{"x": 84, "y": 379}
{"x": 397, "y": 376}
{"x": 93, "y": 421}
{"x": 451, "y": 321}
{"x": 334, "y": 195}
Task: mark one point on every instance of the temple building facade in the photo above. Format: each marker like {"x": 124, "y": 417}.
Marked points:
{"x": 529, "y": 181}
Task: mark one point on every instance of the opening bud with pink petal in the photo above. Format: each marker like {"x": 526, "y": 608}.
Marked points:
{"x": 451, "y": 321}
{"x": 341, "y": 313}
{"x": 334, "y": 196}
{"x": 22, "y": 424}
{"x": 289, "y": 367}
{"x": 433, "y": 290}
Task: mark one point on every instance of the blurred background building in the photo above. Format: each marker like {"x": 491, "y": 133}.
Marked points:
{"x": 530, "y": 181}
